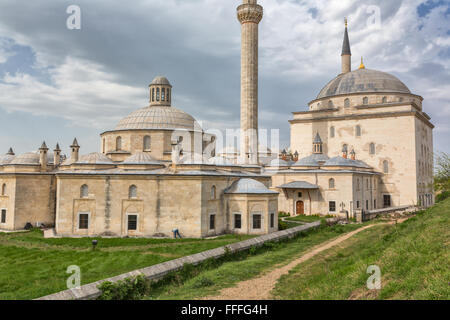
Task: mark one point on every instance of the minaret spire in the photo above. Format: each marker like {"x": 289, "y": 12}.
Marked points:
{"x": 346, "y": 52}
{"x": 249, "y": 15}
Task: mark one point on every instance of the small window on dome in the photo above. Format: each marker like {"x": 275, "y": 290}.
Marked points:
{"x": 330, "y": 104}
{"x": 157, "y": 94}
{"x": 347, "y": 103}
{"x": 365, "y": 101}
{"x": 163, "y": 94}
{"x": 118, "y": 143}
{"x": 147, "y": 143}
{"x": 384, "y": 100}
{"x": 168, "y": 95}
{"x": 153, "y": 94}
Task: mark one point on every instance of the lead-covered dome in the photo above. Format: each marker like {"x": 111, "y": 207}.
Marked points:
{"x": 162, "y": 118}
{"x": 248, "y": 186}
{"x": 363, "y": 81}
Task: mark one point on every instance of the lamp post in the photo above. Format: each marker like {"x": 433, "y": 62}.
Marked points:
{"x": 94, "y": 244}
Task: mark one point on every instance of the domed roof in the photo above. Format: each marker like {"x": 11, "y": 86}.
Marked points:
{"x": 361, "y": 81}
{"x": 158, "y": 117}
{"x": 31, "y": 158}
{"x": 311, "y": 161}
{"x": 248, "y": 186}
{"x": 141, "y": 158}
{"x": 6, "y": 159}
{"x": 278, "y": 163}
{"x": 160, "y": 81}
{"x": 344, "y": 162}
{"x": 94, "y": 158}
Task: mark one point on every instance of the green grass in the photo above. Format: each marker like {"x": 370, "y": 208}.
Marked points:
{"x": 307, "y": 219}
{"x": 210, "y": 279}
{"x": 413, "y": 258}
{"x": 32, "y": 266}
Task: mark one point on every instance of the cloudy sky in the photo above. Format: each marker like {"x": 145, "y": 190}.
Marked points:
{"x": 57, "y": 84}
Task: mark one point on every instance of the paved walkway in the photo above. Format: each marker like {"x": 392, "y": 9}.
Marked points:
{"x": 260, "y": 288}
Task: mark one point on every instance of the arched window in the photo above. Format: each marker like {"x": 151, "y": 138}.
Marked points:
{"x": 213, "y": 193}
{"x": 401, "y": 99}
{"x": 132, "y": 192}
{"x": 157, "y": 94}
{"x": 332, "y": 132}
{"x": 384, "y": 100}
{"x": 347, "y": 103}
{"x": 331, "y": 183}
{"x": 168, "y": 95}
{"x": 147, "y": 143}
{"x": 385, "y": 166}
{"x": 358, "y": 131}
{"x": 84, "y": 191}
{"x": 4, "y": 189}
{"x": 365, "y": 101}
{"x": 330, "y": 104}
{"x": 153, "y": 94}
{"x": 372, "y": 148}
{"x": 118, "y": 143}
{"x": 163, "y": 94}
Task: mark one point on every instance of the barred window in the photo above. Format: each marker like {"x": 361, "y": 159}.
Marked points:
{"x": 332, "y": 206}
{"x": 237, "y": 221}
{"x": 212, "y": 222}
{"x": 272, "y": 220}
{"x": 256, "y": 221}
{"x": 3, "y": 216}
{"x": 83, "y": 221}
{"x": 132, "y": 222}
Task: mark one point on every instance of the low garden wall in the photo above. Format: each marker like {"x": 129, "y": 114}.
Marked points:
{"x": 159, "y": 271}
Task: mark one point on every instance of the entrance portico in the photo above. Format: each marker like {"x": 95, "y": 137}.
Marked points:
{"x": 299, "y": 194}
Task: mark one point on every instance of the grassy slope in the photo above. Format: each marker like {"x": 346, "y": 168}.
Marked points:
{"x": 33, "y": 266}
{"x": 304, "y": 218}
{"x": 413, "y": 257}
{"x": 211, "y": 281}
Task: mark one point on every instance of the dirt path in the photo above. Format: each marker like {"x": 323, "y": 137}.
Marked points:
{"x": 260, "y": 288}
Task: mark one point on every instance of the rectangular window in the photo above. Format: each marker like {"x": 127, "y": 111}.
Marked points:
{"x": 132, "y": 222}
{"x": 357, "y": 204}
{"x": 374, "y": 204}
{"x": 387, "y": 201}
{"x": 300, "y": 194}
{"x": 3, "y": 216}
{"x": 83, "y": 221}
{"x": 332, "y": 205}
{"x": 367, "y": 204}
{"x": 256, "y": 221}
{"x": 212, "y": 222}
{"x": 272, "y": 220}
{"x": 237, "y": 221}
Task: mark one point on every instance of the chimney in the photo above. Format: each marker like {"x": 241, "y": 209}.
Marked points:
{"x": 344, "y": 151}
{"x": 75, "y": 150}
{"x": 43, "y": 156}
{"x": 57, "y": 155}
{"x": 296, "y": 156}
{"x": 353, "y": 155}
{"x": 10, "y": 152}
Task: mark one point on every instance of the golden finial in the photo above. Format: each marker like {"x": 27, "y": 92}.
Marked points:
{"x": 346, "y": 22}
{"x": 362, "y": 66}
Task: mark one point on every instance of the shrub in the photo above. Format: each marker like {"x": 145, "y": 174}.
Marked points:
{"x": 442, "y": 196}
{"x": 129, "y": 289}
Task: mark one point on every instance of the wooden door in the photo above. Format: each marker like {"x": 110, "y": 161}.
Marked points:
{"x": 300, "y": 207}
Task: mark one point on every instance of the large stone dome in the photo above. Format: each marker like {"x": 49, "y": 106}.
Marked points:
{"x": 158, "y": 117}
{"x": 363, "y": 81}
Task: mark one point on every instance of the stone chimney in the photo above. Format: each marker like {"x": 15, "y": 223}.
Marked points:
{"x": 43, "y": 156}
{"x": 57, "y": 155}
{"x": 75, "y": 150}
{"x": 353, "y": 155}
{"x": 10, "y": 152}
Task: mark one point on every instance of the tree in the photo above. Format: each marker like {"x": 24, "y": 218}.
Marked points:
{"x": 442, "y": 175}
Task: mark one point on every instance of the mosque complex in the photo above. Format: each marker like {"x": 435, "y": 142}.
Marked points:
{"x": 364, "y": 144}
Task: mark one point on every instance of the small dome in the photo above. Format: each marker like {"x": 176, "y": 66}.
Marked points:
{"x": 140, "y": 158}
{"x": 6, "y": 159}
{"x": 94, "y": 158}
{"x": 363, "y": 81}
{"x": 27, "y": 158}
{"x": 161, "y": 81}
{"x": 343, "y": 162}
{"x": 158, "y": 117}
{"x": 248, "y": 186}
{"x": 311, "y": 161}
{"x": 278, "y": 163}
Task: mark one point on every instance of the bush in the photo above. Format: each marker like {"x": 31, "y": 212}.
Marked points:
{"x": 442, "y": 196}
{"x": 128, "y": 289}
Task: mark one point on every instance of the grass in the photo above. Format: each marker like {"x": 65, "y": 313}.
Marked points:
{"x": 413, "y": 258}
{"x": 210, "y": 279}
{"x": 33, "y": 266}
{"x": 307, "y": 219}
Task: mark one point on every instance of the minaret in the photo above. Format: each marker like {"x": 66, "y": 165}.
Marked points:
{"x": 346, "y": 52}
{"x": 249, "y": 15}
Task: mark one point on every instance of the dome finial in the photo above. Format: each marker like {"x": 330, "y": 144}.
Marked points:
{"x": 362, "y": 66}
{"x": 346, "y": 22}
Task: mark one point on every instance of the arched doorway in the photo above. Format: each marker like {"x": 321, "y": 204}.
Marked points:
{"x": 300, "y": 208}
